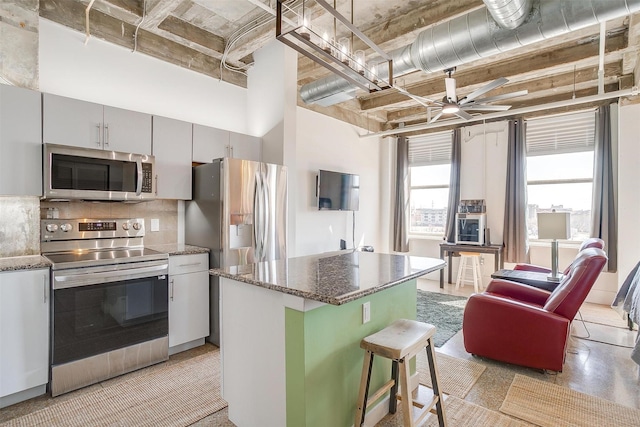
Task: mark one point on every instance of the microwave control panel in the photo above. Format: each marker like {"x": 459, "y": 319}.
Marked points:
{"x": 147, "y": 178}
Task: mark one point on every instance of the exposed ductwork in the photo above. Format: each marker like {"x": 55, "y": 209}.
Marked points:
{"x": 477, "y": 35}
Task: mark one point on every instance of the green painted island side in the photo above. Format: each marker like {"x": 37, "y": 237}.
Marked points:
{"x": 324, "y": 358}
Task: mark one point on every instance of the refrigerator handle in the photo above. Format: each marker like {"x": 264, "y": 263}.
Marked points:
{"x": 256, "y": 217}
{"x": 267, "y": 211}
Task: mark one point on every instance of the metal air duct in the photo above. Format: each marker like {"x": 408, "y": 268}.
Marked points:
{"x": 476, "y": 35}
{"x": 509, "y": 13}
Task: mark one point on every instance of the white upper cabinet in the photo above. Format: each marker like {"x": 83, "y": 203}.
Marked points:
{"x": 85, "y": 124}
{"x": 245, "y": 147}
{"x": 209, "y": 143}
{"x": 20, "y": 142}
{"x": 172, "y": 150}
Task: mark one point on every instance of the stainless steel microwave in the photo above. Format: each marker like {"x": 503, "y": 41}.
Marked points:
{"x": 74, "y": 173}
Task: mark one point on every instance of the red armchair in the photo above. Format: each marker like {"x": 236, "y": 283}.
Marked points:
{"x": 592, "y": 242}
{"x": 523, "y": 325}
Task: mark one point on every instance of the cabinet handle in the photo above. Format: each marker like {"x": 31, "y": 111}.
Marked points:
{"x": 45, "y": 285}
{"x": 98, "y": 142}
{"x": 231, "y": 148}
{"x": 171, "y": 290}
{"x": 106, "y": 134}
{"x": 189, "y": 264}
{"x": 156, "y": 185}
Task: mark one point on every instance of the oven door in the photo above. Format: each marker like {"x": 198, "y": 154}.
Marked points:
{"x": 120, "y": 309}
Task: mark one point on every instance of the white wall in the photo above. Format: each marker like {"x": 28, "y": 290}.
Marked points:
{"x": 325, "y": 143}
{"x": 112, "y": 75}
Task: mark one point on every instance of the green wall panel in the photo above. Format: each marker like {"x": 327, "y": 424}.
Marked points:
{"x": 324, "y": 358}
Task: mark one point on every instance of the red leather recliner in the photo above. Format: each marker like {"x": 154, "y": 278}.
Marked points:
{"x": 591, "y": 242}
{"x": 527, "y": 326}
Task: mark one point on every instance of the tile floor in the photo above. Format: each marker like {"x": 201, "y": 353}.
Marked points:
{"x": 592, "y": 367}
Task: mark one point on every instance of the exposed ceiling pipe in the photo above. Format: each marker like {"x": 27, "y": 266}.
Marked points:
{"x": 476, "y": 35}
{"x": 509, "y": 13}
{"x": 518, "y": 111}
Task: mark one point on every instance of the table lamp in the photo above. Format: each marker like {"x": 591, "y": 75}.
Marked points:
{"x": 554, "y": 226}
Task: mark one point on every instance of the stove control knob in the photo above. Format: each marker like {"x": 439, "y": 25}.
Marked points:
{"x": 137, "y": 226}
{"x": 66, "y": 227}
{"x": 125, "y": 225}
{"x": 52, "y": 228}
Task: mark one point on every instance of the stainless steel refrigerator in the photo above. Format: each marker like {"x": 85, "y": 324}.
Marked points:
{"x": 239, "y": 212}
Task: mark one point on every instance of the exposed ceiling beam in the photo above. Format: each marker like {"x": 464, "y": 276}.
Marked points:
{"x": 157, "y": 11}
{"x": 71, "y": 14}
{"x": 517, "y": 65}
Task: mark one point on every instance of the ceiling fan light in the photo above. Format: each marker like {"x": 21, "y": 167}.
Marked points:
{"x": 450, "y": 108}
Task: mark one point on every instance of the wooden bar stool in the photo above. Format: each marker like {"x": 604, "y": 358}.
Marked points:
{"x": 400, "y": 341}
{"x": 474, "y": 260}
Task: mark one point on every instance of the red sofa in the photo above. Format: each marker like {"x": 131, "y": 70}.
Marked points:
{"x": 527, "y": 326}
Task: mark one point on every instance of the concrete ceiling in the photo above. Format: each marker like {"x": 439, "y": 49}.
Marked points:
{"x": 196, "y": 34}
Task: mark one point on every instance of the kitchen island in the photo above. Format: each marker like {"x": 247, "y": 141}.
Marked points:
{"x": 291, "y": 331}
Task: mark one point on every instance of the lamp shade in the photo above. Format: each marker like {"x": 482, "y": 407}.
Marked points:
{"x": 554, "y": 225}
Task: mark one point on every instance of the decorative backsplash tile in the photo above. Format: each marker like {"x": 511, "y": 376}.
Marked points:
{"x": 19, "y": 226}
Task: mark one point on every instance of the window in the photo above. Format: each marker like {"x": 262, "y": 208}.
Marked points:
{"x": 429, "y": 170}
{"x": 560, "y": 169}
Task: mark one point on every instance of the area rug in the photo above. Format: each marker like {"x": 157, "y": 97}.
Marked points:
{"x": 456, "y": 376}
{"x": 179, "y": 395}
{"x": 460, "y": 413}
{"x": 443, "y": 311}
{"x": 550, "y": 405}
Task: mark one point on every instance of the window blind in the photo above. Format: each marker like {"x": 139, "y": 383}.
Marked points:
{"x": 430, "y": 149}
{"x": 568, "y": 133}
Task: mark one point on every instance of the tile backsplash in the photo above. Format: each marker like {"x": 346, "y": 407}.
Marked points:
{"x": 166, "y": 211}
{"x": 19, "y": 226}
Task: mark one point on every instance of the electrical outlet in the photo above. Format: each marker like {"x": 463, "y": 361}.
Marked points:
{"x": 366, "y": 312}
{"x": 155, "y": 224}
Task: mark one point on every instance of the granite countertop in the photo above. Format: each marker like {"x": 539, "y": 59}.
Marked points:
{"x": 27, "y": 262}
{"x": 178, "y": 249}
{"x": 333, "y": 278}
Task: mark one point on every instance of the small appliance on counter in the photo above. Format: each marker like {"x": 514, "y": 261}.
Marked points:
{"x": 471, "y": 221}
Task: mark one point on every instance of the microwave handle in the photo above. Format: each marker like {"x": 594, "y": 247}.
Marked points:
{"x": 139, "y": 185}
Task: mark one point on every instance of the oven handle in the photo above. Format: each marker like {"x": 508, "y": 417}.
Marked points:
{"x": 94, "y": 278}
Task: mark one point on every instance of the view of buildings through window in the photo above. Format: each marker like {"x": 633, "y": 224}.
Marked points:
{"x": 429, "y": 193}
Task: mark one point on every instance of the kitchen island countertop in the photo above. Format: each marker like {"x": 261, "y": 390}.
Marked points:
{"x": 334, "y": 278}
{"x": 27, "y": 262}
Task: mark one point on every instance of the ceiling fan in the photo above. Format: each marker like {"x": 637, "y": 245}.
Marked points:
{"x": 450, "y": 104}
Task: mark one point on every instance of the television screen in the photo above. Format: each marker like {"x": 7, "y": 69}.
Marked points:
{"x": 338, "y": 191}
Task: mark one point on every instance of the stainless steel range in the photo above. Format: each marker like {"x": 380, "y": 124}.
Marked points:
{"x": 110, "y": 300}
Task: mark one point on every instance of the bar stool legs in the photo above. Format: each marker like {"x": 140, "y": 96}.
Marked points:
{"x": 475, "y": 266}
{"x": 400, "y": 342}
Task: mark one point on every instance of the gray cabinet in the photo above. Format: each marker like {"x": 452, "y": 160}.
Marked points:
{"x": 188, "y": 300}
{"x": 245, "y": 147}
{"x": 24, "y": 334}
{"x": 68, "y": 121}
{"x": 172, "y": 150}
{"x": 211, "y": 143}
{"x": 20, "y": 142}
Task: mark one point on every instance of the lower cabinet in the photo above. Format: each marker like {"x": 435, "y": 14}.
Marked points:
{"x": 24, "y": 334}
{"x": 188, "y": 300}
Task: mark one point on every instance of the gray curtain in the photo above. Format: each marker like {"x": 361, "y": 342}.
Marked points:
{"x": 603, "y": 212}
{"x": 401, "y": 207}
{"x": 515, "y": 222}
{"x": 454, "y": 185}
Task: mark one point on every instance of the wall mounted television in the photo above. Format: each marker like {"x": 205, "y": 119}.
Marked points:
{"x": 338, "y": 191}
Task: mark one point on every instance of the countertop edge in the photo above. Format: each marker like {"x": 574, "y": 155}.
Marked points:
{"x": 315, "y": 297}
{"x": 174, "y": 249}
{"x": 22, "y": 263}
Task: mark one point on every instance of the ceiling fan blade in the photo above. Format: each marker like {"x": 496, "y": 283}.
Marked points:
{"x": 450, "y": 84}
{"x": 484, "y": 89}
{"x": 433, "y": 120}
{"x": 498, "y": 97}
{"x": 463, "y": 115}
{"x": 475, "y": 107}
